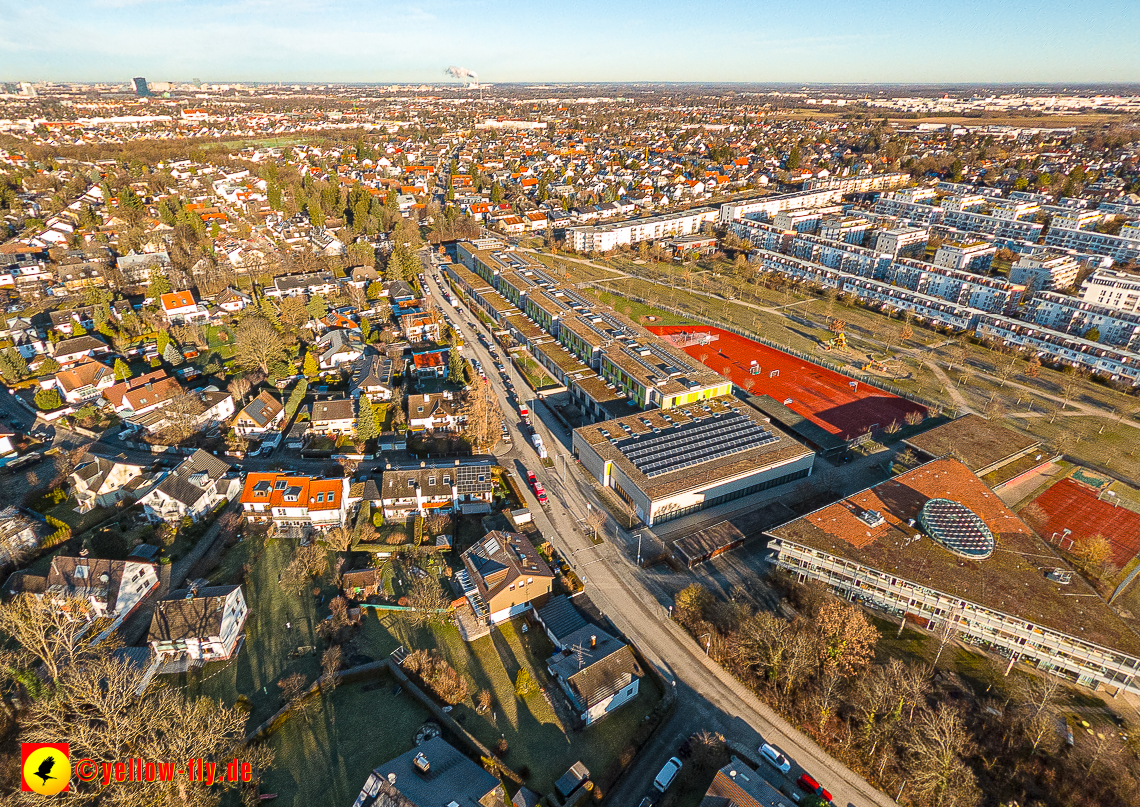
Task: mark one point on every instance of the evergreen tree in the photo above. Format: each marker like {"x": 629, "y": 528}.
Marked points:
{"x": 159, "y": 286}
{"x": 47, "y": 399}
{"x": 456, "y": 367}
{"x": 270, "y": 312}
{"x": 365, "y": 420}
{"x": 311, "y": 368}
{"x": 122, "y": 371}
{"x": 49, "y": 366}
{"x": 317, "y": 307}
{"x": 365, "y": 329}
{"x": 13, "y": 366}
{"x": 793, "y": 158}
{"x": 78, "y": 330}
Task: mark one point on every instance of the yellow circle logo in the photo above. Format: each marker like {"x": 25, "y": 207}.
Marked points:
{"x": 47, "y": 771}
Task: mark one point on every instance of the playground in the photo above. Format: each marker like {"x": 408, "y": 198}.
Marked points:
{"x": 841, "y": 405}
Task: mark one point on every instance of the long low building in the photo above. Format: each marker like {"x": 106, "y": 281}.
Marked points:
{"x": 668, "y": 463}
{"x": 936, "y": 544}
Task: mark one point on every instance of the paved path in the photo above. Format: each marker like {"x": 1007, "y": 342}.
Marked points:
{"x": 958, "y": 398}
{"x": 707, "y": 696}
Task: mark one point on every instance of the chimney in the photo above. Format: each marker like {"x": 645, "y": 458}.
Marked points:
{"x": 593, "y": 642}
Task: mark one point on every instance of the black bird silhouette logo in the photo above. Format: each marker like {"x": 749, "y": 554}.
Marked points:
{"x": 45, "y": 768}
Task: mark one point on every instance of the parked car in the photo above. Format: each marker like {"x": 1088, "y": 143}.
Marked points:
{"x": 667, "y": 774}
{"x": 807, "y": 782}
{"x": 773, "y": 757}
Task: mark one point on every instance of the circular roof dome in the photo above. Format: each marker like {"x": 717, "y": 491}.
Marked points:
{"x": 958, "y": 528}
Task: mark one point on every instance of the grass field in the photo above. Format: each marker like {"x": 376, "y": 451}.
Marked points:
{"x": 325, "y": 755}
{"x": 329, "y": 752}
{"x": 537, "y": 740}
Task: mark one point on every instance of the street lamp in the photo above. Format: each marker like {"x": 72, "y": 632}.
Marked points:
{"x": 708, "y": 644}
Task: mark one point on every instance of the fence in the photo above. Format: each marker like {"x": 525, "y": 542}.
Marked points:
{"x": 863, "y": 378}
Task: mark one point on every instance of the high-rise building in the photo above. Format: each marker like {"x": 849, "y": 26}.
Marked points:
{"x": 141, "y": 90}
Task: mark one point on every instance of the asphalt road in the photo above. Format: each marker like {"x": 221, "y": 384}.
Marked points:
{"x": 708, "y": 698}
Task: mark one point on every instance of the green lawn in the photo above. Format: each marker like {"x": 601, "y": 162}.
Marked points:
{"x": 264, "y": 659}
{"x": 65, "y": 512}
{"x": 325, "y": 755}
{"x": 536, "y": 739}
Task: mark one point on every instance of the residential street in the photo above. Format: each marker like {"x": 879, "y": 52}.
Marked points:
{"x": 708, "y": 698}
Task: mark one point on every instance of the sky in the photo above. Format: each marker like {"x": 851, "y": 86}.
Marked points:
{"x": 845, "y": 41}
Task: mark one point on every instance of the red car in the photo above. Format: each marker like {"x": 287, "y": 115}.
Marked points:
{"x": 808, "y": 783}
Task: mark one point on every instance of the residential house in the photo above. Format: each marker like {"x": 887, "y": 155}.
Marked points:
{"x": 196, "y": 487}
{"x": 738, "y": 784}
{"x": 115, "y": 395}
{"x": 322, "y": 283}
{"x": 372, "y": 378}
{"x": 104, "y": 481}
{"x": 363, "y": 277}
{"x": 297, "y": 501}
{"x": 423, "y": 491}
{"x": 420, "y": 326}
{"x": 138, "y": 268}
{"x": 430, "y": 775}
{"x": 338, "y": 347}
{"x": 181, "y": 307}
{"x": 201, "y": 625}
{"x": 70, "y": 352}
{"x": 435, "y": 411}
{"x": 84, "y": 382}
{"x": 430, "y": 363}
{"x": 261, "y": 415}
{"x": 597, "y": 672}
{"x": 333, "y": 417}
{"x": 503, "y": 576}
{"x": 148, "y": 396}
{"x": 231, "y": 301}
{"x": 112, "y": 588}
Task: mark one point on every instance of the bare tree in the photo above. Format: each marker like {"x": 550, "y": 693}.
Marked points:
{"x": 331, "y": 662}
{"x": 258, "y": 344}
{"x": 484, "y": 419}
{"x": 1035, "y": 701}
{"x": 429, "y": 601}
{"x": 239, "y": 387}
{"x": 947, "y": 630}
{"x": 937, "y": 744}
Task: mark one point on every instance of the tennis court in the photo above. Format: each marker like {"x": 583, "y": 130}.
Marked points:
{"x": 1070, "y": 512}
{"x": 833, "y": 401}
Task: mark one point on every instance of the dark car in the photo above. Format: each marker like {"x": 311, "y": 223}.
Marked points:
{"x": 808, "y": 783}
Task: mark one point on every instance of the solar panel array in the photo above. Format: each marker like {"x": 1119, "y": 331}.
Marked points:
{"x": 693, "y": 443}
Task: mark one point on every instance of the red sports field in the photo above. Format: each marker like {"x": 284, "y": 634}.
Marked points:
{"x": 822, "y": 396}
{"x": 1071, "y": 506}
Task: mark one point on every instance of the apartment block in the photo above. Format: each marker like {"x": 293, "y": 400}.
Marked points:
{"x": 1044, "y": 269}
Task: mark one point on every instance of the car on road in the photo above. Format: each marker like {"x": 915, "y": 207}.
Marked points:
{"x": 773, "y": 757}
{"x": 646, "y": 802}
{"x": 539, "y": 490}
{"x": 667, "y": 774}
{"x": 807, "y": 782}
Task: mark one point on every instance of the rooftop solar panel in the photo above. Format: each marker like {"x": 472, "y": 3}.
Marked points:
{"x": 681, "y": 446}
